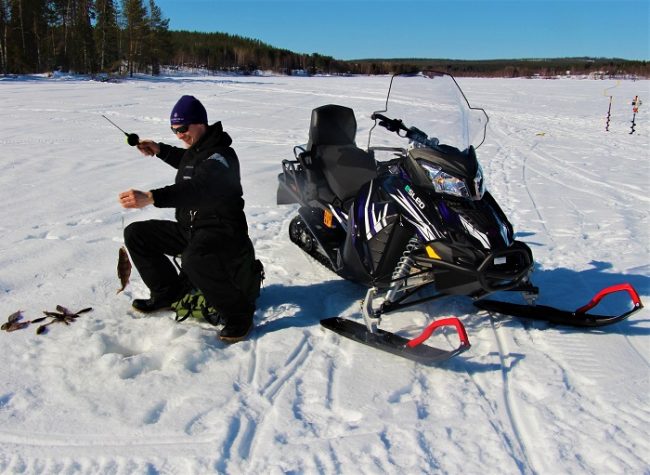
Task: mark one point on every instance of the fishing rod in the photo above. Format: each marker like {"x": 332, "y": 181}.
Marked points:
{"x": 131, "y": 139}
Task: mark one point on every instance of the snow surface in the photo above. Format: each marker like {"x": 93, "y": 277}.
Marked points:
{"x": 119, "y": 393}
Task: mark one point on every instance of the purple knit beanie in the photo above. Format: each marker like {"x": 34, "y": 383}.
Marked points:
{"x": 188, "y": 110}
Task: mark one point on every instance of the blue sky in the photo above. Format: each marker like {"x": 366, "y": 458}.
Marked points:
{"x": 454, "y": 29}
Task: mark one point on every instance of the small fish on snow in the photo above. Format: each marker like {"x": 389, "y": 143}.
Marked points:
{"x": 13, "y": 321}
{"x": 123, "y": 268}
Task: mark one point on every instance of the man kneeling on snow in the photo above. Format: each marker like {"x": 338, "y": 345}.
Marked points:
{"x": 210, "y": 232}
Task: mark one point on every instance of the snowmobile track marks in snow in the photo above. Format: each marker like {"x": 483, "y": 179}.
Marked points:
{"x": 247, "y": 413}
{"x": 520, "y": 441}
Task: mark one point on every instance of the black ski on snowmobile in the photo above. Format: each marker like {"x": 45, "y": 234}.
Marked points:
{"x": 412, "y": 349}
{"x": 576, "y": 318}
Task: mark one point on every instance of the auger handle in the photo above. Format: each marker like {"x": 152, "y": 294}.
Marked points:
{"x": 610, "y": 290}
{"x": 428, "y": 331}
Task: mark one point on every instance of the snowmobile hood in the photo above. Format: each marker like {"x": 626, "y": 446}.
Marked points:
{"x": 460, "y": 164}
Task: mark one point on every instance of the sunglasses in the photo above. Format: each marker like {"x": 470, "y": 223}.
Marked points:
{"x": 180, "y": 130}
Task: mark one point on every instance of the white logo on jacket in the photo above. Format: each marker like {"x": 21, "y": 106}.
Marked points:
{"x": 219, "y": 158}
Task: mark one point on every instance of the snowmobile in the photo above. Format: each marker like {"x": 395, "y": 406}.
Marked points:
{"x": 410, "y": 216}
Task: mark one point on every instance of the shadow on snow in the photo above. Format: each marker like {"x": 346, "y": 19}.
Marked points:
{"x": 562, "y": 288}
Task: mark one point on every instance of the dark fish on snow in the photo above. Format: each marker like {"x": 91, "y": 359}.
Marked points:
{"x": 123, "y": 268}
{"x": 13, "y": 322}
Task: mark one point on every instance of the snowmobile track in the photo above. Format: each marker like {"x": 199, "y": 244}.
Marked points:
{"x": 521, "y": 438}
{"x": 247, "y": 414}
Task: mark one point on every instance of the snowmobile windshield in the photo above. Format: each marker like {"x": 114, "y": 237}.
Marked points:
{"x": 435, "y": 104}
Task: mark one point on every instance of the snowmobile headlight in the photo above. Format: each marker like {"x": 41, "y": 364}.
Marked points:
{"x": 446, "y": 183}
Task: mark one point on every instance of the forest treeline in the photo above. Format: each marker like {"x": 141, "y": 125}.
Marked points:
{"x": 82, "y": 36}
{"x": 122, "y": 37}
{"x": 551, "y": 67}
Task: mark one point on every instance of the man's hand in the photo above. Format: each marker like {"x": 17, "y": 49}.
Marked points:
{"x": 135, "y": 199}
{"x": 148, "y": 147}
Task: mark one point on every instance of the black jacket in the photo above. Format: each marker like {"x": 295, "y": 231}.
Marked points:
{"x": 207, "y": 191}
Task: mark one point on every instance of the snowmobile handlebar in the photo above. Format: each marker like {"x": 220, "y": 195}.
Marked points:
{"x": 411, "y": 133}
{"x": 392, "y": 125}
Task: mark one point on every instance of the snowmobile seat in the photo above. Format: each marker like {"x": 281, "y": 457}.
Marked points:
{"x": 338, "y": 166}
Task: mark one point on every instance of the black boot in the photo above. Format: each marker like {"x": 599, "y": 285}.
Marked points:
{"x": 152, "y": 304}
{"x": 237, "y": 327}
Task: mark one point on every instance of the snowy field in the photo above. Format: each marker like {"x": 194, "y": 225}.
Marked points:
{"x": 117, "y": 394}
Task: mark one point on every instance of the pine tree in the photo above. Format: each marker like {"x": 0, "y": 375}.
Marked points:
{"x": 135, "y": 18}
{"x": 83, "y": 41}
{"x": 58, "y": 23}
{"x": 26, "y": 35}
{"x": 157, "y": 37}
{"x": 107, "y": 35}
{"x": 4, "y": 33}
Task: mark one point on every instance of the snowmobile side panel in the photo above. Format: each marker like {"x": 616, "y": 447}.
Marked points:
{"x": 285, "y": 195}
{"x": 413, "y": 349}
{"x": 289, "y": 183}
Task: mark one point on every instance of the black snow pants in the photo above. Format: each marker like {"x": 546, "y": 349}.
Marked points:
{"x": 221, "y": 267}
